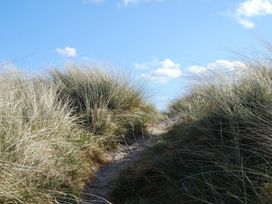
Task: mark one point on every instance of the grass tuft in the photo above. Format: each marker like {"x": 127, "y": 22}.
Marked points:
{"x": 107, "y": 104}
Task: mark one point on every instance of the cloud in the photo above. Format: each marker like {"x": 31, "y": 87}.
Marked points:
{"x": 166, "y": 70}
{"x": 163, "y": 71}
{"x": 121, "y": 3}
{"x": 219, "y": 66}
{"x": 147, "y": 65}
{"x": 67, "y": 51}
{"x": 250, "y": 9}
{"x": 124, "y": 3}
{"x": 141, "y": 66}
{"x": 246, "y": 23}
{"x": 128, "y": 2}
{"x": 197, "y": 69}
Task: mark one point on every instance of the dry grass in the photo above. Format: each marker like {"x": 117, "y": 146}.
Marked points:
{"x": 49, "y": 142}
{"x": 219, "y": 152}
{"x": 38, "y": 145}
{"x": 107, "y": 104}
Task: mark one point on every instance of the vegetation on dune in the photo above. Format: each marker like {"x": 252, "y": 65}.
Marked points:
{"x": 220, "y": 151}
{"x": 107, "y": 104}
{"x": 53, "y": 131}
{"x": 38, "y": 148}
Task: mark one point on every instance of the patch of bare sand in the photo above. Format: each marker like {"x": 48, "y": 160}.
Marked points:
{"x": 125, "y": 155}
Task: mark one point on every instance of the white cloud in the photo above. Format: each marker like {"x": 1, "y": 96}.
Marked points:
{"x": 166, "y": 70}
{"x": 247, "y": 23}
{"x": 141, "y": 66}
{"x": 122, "y": 3}
{"x": 147, "y": 65}
{"x": 197, "y": 69}
{"x": 163, "y": 71}
{"x": 67, "y": 51}
{"x": 251, "y": 8}
{"x": 219, "y": 66}
{"x": 128, "y": 2}
{"x": 133, "y": 2}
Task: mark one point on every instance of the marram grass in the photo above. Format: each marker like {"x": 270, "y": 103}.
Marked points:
{"x": 220, "y": 151}
{"x": 54, "y": 131}
{"x": 107, "y": 103}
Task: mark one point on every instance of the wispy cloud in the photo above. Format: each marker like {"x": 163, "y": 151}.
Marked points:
{"x": 128, "y": 2}
{"x": 160, "y": 71}
{"x": 123, "y": 3}
{"x": 249, "y": 9}
{"x": 134, "y": 2}
{"x": 246, "y": 23}
{"x": 67, "y": 51}
{"x": 218, "y": 66}
{"x": 147, "y": 65}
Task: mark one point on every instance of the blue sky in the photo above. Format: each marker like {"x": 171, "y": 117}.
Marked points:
{"x": 159, "y": 41}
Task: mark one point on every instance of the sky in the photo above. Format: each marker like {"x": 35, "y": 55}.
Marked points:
{"x": 158, "y": 42}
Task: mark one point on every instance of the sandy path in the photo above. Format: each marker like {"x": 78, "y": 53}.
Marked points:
{"x": 98, "y": 189}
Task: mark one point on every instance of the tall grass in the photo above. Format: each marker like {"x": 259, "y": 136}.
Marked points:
{"x": 108, "y": 104}
{"x": 38, "y": 152}
{"x": 220, "y": 151}
{"x": 53, "y": 131}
